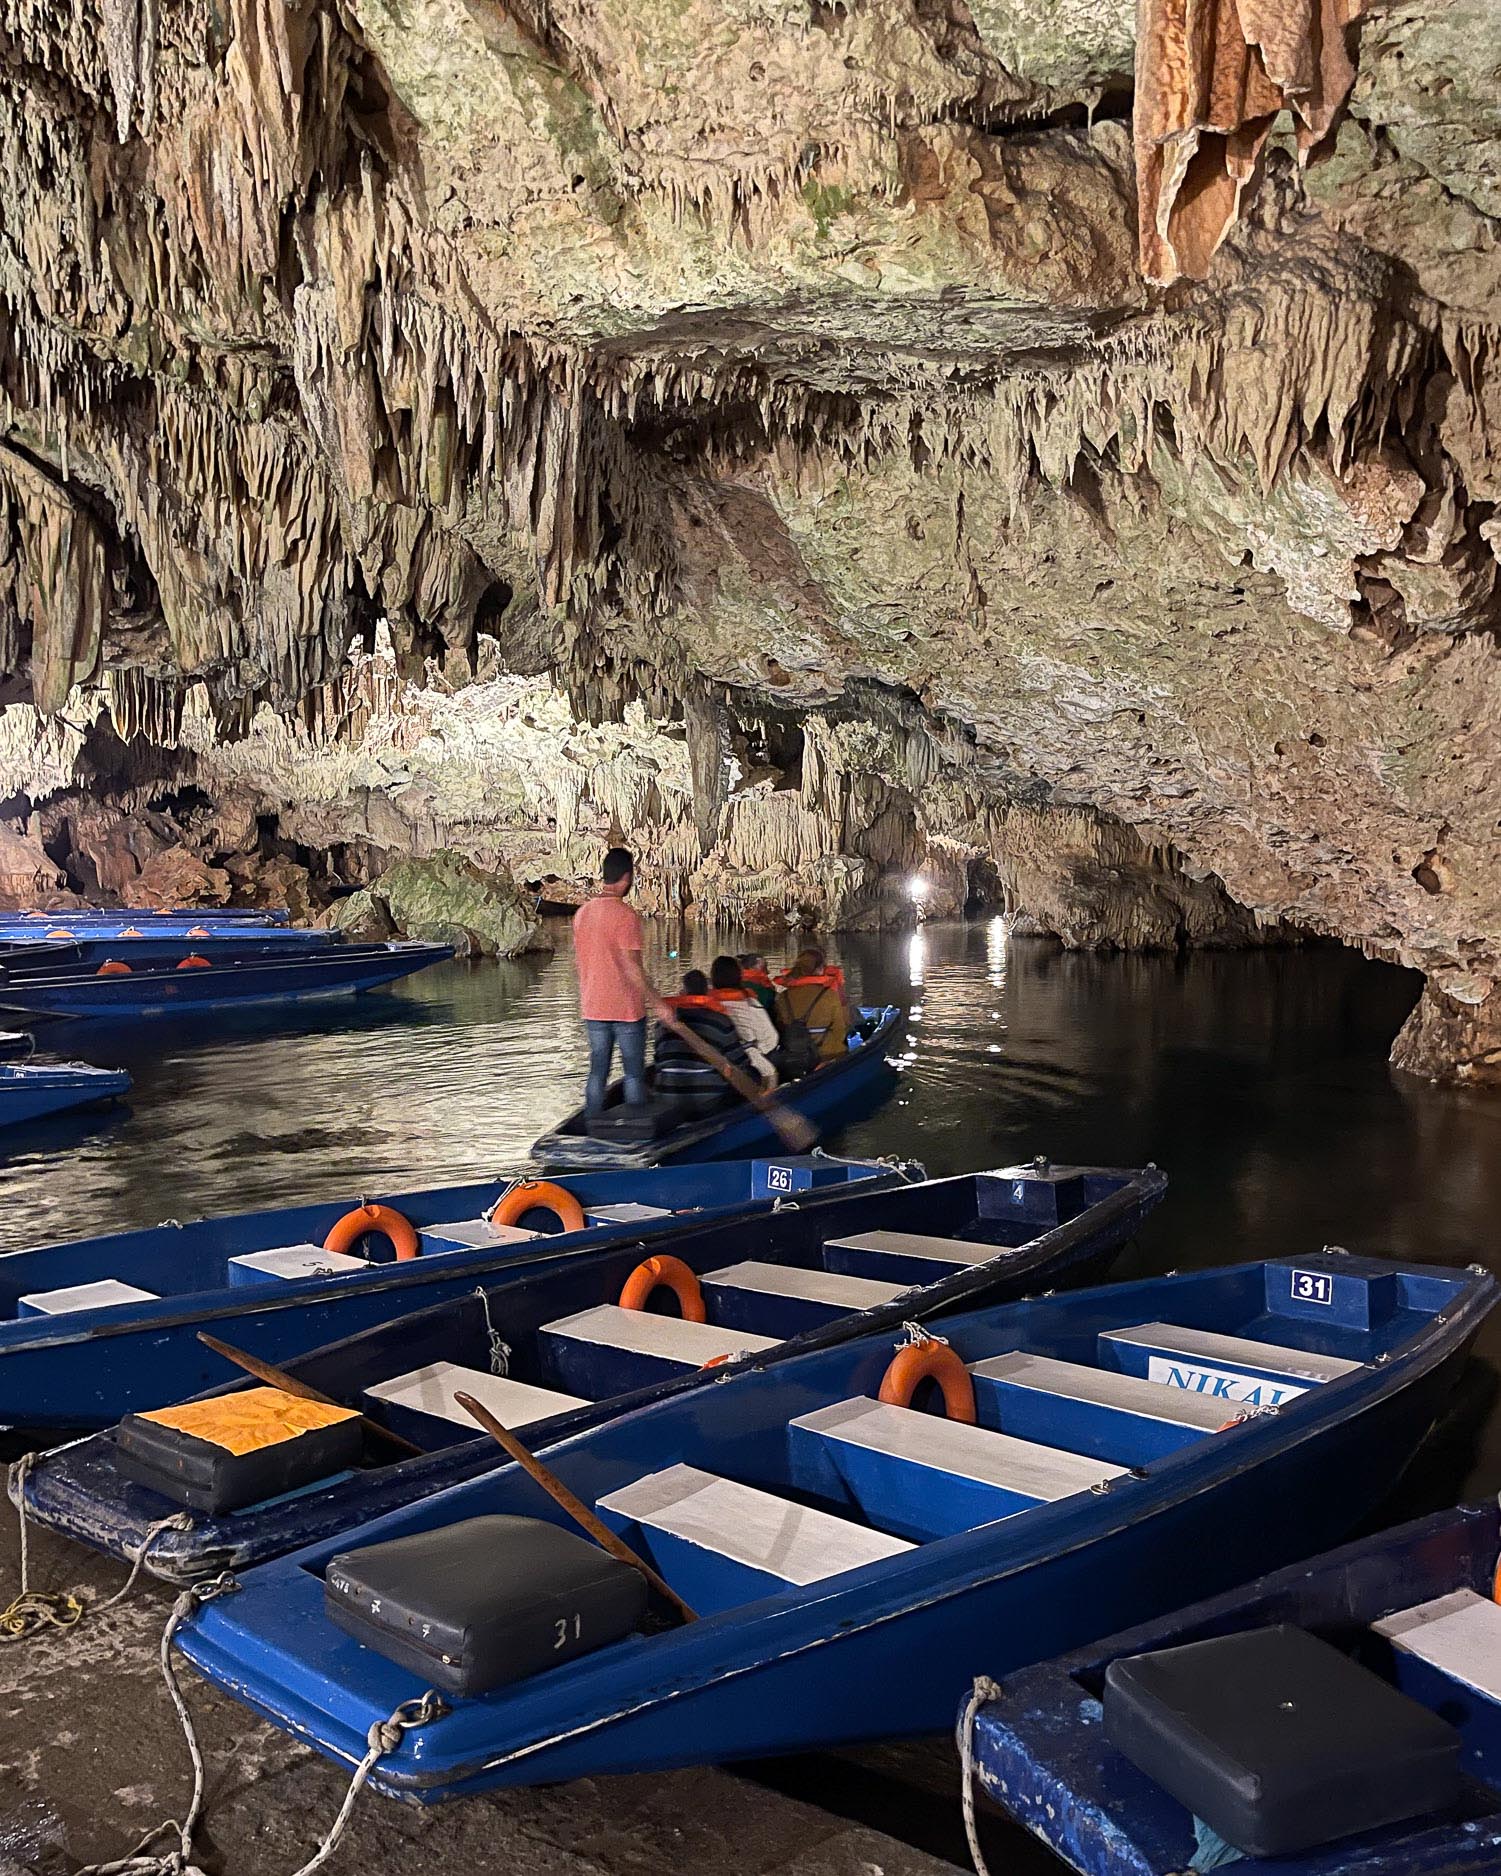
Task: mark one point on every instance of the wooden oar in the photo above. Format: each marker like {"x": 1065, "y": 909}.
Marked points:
{"x": 289, "y": 1384}
{"x": 795, "y": 1133}
{"x": 582, "y": 1516}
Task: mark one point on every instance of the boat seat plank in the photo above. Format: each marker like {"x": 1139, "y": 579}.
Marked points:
{"x": 107, "y": 1293}
{"x": 291, "y": 1261}
{"x": 1218, "y": 1365}
{"x": 431, "y": 1391}
{"x": 1458, "y": 1634}
{"x": 1024, "y": 1467}
{"x": 629, "y": 1212}
{"x": 1115, "y": 1416}
{"x": 1101, "y": 1387}
{"x": 814, "y": 1286}
{"x": 669, "y": 1338}
{"x": 770, "y": 1538}
{"x": 473, "y": 1234}
{"x": 905, "y": 1257}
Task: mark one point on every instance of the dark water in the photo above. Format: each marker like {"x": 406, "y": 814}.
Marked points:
{"x": 1259, "y": 1082}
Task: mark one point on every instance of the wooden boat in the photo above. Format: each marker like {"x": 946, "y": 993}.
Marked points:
{"x": 721, "y": 1125}
{"x": 93, "y": 1329}
{"x": 851, "y": 1560}
{"x": 868, "y": 1257}
{"x": 152, "y": 988}
{"x": 31, "y": 1091}
{"x": 1416, "y": 1607}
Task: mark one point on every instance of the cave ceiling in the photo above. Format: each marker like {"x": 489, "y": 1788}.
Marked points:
{"x": 799, "y": 353}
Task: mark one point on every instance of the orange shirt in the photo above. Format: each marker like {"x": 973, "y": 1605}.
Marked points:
{"x": 605, "y": 932}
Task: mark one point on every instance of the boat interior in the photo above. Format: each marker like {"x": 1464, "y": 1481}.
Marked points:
{"x": 794, "y": 1475}
{"x": 536, "y": 1350}
{"x": 139, "y": 1268}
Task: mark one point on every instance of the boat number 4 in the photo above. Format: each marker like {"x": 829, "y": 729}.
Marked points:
{"x": 1312, "y": 1286}
{"x": 567, "y": 1629}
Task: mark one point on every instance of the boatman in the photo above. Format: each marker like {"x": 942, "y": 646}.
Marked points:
{"x": 614, "y": 991}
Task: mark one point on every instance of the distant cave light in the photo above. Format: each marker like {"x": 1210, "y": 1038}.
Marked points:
{"x": 917, "y": 889}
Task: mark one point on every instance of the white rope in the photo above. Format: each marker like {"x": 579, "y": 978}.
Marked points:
{"x": 142, "y": 1861}
{"x": 984, "y": 1689}
{"x": 34, "y": 1612}
{"x": 385, "y": 1736}
{"x": 500, "y": 1351}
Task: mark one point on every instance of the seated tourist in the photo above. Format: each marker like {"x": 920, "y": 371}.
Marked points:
{"x": 678, "y": 1069}
{"x": 755, "y": 976}
{"x": 812, "y": 1001}
{"x": 756, "y": 1029}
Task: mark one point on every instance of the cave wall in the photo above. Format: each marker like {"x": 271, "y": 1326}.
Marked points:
{"x": 808, "y": 354}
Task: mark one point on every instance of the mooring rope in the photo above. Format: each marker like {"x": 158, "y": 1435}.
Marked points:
{"x": 384, "y": 1736}
{"x": 984, "y": 1689}
{"x": 36, "y": 1612}
{"x": 500, "y": 1350}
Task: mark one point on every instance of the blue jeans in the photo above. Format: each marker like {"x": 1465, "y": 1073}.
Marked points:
{"x": 604, "y": 1039}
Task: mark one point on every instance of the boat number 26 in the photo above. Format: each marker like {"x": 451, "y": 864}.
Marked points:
{"x": 567, "y": 1628}
{"x": 1312, "y": 1286}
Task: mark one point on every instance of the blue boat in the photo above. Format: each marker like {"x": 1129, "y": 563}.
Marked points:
{"x": 25, "y": 928}
{"x": 93, "y": 1329}
{"x": 773, "y": 1286}
{"x": 151, "y": 989}
{"x": 83, "y": 952}
{"x": 722, "y": 1126}
{"x": 851, "y": 1559}
{"x": 1414, "y": 1606}
{"x": 31, "y": 1091}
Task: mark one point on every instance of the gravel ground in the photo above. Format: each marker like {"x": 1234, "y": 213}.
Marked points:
{"x": 91, "y": 1757}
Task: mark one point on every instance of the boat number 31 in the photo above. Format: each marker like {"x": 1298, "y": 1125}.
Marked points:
{"x": 566, "y": 1629}
{"x": 1312, "y": 1286}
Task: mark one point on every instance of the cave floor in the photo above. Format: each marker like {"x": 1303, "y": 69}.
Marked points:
{"x": 91, "y": 1757}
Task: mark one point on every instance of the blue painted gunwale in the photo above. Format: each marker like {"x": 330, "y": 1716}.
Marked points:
{"x": 89, "y": 1367}
{"x": 1040, "y": 1753}
{"x": 31, "y": 1091}
{"x": 152, "y": 990}
{"x": 78, "y": 1491}
{"x": 86, "y": 952}
{"x": 827, "y": 1098}
{"x": 876, "y": 1652}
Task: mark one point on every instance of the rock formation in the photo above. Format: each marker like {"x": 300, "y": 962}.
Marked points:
{"x": 753, "y": 363}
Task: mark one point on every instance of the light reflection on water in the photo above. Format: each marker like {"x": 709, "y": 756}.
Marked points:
{"x": 1258, "y": 1081}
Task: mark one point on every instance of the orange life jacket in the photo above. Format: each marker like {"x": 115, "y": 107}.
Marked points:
{"x": 683, "y": 1001}
{"x": 755, "y": 975}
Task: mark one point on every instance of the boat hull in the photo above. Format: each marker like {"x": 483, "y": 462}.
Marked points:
{"x": 830, "y": 1098}
{"x": 79, "y": 1492}
{"x": 880, "y": 1651}
{"x": 1056, "y": 1775}
{"x": 327, "y": 971}
{"x": 28, "y": 1094}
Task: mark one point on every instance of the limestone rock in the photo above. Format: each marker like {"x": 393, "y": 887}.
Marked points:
{"x": 450, "y": 900}
{"x": 177, "y": 878}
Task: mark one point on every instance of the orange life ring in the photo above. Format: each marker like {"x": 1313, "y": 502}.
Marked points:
{"x": 192, "y": 962}
{"x": 113, "y": 967}
{"x": 199, "y": 931}
{"x": 930, "y": 1361}
{"x": 677, "y": 1277}
{"x": 538, "y": 1195}
{"x": 354, "y": 1225}
{"x": 130, "y": 931}
{"x": 61, "y": 932}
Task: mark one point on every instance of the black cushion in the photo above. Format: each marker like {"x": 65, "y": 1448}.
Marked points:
{"x": 208, "y": 1477}
{"x": 475, "y": 1605}
{"x": 1278, "y": 1741}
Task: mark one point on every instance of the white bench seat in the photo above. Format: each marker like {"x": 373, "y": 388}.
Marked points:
{"x": 813, "y": 1286}
{"x": 292, "y": 1261}
{"x": 107, "y": 1293}
{"x": 475, "y": 1234}
{"x": 667, "y": 1338}
{"x": 631, "y": 1212}
{"x": 1103, "y": 1387}
{"x": 755, "y": 1529}
{"x": 1232, "y": 1351}
{"x": 955, "y": 1252}
{"x": 1459, "y": 1634}
{"x": 431, "y": 1390}
{"x": 1039, "y": 1473}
